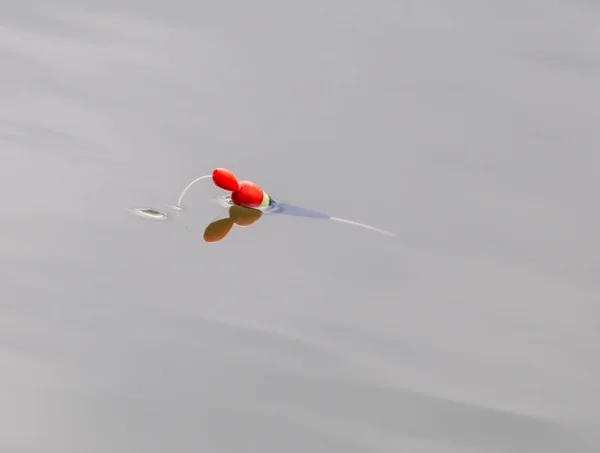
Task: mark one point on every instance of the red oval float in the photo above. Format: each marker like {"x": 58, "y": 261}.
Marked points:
{"x": 225, "y": 179}
{"x": 248, "y": 195}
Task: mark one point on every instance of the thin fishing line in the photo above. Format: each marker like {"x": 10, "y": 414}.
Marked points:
{"x": 190, "y": 185}
{"x": 368, "y": 227}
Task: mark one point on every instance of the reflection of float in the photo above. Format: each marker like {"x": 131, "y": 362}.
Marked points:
{"x": 238, "y": 215}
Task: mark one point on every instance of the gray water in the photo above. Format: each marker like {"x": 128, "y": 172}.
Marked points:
{"x": 470, "y": 129}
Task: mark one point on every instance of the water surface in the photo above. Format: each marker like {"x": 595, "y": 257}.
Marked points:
{"x": 467, "y": 128}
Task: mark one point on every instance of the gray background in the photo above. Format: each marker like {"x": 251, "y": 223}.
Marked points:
{"x": 469, "y": 128}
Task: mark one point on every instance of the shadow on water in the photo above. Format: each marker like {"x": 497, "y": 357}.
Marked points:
{"x": 240, "y": 216}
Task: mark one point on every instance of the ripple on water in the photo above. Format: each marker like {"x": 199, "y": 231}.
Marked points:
{"x": 224, "y": 201}
{"x": 150, "y": 213}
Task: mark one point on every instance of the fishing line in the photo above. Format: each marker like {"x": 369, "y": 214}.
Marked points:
{"x": 178, "y": 205}
{"x": 368, "y": 227}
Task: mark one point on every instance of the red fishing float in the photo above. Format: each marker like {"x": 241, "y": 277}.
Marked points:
{"x": 225, "y": 179}
{"x": 243, "y": 193}
{"x": 249, "y": 204}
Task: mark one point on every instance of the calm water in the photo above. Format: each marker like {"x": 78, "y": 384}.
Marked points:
{"x": 468, "y": 128}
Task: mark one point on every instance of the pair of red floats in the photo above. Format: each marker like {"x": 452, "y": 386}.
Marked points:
{"x": 250, "y": 202}
{"x": 243, "y": 193}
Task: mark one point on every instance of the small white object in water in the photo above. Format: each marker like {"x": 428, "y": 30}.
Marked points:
{"x": 149, "y": 213}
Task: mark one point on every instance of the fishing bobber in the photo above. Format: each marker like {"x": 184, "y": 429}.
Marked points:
{"x": 243, "y": 193}
{"x": 224, "y": 179}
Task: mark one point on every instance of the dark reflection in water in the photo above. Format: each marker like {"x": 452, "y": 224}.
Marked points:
{"x": 240, "y": 216}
